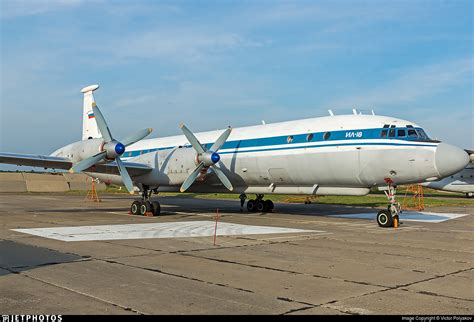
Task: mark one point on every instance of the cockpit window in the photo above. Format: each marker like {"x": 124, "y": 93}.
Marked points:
{"x": 401, "y": 133}
{"x": 383, "y": 134}
{"x": 412, "y": 133}
{"x": 421, "y": 134}
{"x": 391, "y": 133}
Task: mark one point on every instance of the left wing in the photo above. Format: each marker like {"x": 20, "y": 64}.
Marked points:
{"x": 36, "y": 160}
{"x": 42, "y": 161}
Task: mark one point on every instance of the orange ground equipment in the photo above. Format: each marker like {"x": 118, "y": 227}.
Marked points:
{"x": 415, "y": 201}
{"x": 92, "y": 193}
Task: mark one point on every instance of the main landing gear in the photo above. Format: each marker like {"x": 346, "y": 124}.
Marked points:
{"x": 146, "y": 207}
{"x": 390, "y": 217}
{"x": 260, "y": 205}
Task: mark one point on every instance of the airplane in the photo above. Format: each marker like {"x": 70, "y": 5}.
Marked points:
{"x": 331, "y": 155}
{"x": 462, "y": 181}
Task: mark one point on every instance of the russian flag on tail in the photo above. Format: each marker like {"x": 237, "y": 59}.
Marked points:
{"x": 90, "y": 115}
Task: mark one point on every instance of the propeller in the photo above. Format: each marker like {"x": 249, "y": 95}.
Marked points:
{"x": 206, "y": 158}
{"x": 111, "y": 149}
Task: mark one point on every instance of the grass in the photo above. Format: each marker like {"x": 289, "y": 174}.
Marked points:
{"x": 374, "y": 199}
{"x": 366, "y": 201}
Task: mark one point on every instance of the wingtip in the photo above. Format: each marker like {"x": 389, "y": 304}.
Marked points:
{"x": 181, "y": 190}
{"x": 150, "y": 130}
{"x": 132, "y": 193}
{"x": 71, "y": 171}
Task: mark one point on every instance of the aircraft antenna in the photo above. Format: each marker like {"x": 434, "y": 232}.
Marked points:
{"x": 331, "y": 113}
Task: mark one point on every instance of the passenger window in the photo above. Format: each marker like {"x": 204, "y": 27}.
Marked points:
{"x": 391, "y": 133}
{"x": 327, "y": 135}
{"x": 401, "y": 133}
{"x": 412, "y": 133}
{"x": 383, "y": 134}
{"x": 309, "y": 137}
{"x": 289, "y": 139}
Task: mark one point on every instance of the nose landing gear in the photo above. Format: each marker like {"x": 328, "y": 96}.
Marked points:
{"x": 390, "y": 217}
{"x": 146, "y": 207}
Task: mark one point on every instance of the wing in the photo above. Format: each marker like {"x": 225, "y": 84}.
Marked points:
{"x": 33, "y": 160}
{"x": 42, "y": 161}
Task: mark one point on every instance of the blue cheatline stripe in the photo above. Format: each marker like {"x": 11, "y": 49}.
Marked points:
{"x": 322, "y": 146}
{"x": 260, "y": 143}
{"x": 137, "y": 153}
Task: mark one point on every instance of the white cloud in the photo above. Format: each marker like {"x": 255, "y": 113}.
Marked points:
{"x": 18, "y": 8}
{"x": 408, "y": 85}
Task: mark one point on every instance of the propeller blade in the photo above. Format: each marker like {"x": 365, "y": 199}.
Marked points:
{"x": 222, "y": 177}
{"x": 136, "y": 137}
{"x": 127, "y": 181}
{"x": 101, "y": 124}
{"x": 221, "y": 140}
{"x": 192, "y": 139}
{"x": 191, "y": 178}
{"x": 87, "y": 163}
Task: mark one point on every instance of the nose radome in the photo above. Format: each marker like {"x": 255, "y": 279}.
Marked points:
{"x": 450, "y": 159}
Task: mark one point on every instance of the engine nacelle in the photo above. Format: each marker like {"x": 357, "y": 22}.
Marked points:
{"x": 80, "y": 150}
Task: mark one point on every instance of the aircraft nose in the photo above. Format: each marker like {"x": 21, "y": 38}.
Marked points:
{"x": 450, "y": 159}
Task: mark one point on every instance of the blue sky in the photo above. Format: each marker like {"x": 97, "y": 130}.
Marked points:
{"x": 211, "y": 64}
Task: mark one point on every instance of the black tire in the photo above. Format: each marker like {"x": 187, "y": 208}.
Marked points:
{"x": 470, "y": 195}
{"x": 269, "y": 205}
{"x": 251, "y": 206}
{"x": 135, "y": 207}
{"x": 261, "y": 206}
{"x": 145, "y": 207}
{"x": 156, "y": 208}
{"x": 384, "y": 218}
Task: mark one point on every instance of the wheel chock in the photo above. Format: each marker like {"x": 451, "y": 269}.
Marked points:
{"x": 395, "y": 222}
{"x": 148, "y": 214}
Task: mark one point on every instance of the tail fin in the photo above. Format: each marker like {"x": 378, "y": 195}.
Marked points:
{"x": 89, "y": 125}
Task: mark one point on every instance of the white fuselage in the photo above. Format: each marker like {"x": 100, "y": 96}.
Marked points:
{"x": 339, "y": 155}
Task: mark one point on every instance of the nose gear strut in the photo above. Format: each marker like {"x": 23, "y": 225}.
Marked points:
{"x": 390, "y": 217}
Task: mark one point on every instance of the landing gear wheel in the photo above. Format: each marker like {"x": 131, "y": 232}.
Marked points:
{"x": 251, "y": 206}
{"x": 384, "y": 218}
{"x": 261, "y": 206}
{"x": 269, "y": 205}
{"x": 145, "y": 206}
{"x": 470, "y": 195}
{"x": 155, "y": 206}
{"x": 135, "y": 208}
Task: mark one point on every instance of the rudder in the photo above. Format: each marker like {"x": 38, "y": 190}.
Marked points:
{"x": 89, "y": 125}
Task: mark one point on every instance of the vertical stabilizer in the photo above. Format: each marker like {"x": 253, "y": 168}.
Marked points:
{"x": 89, "y": 125}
